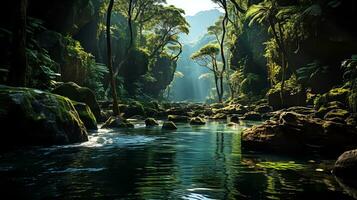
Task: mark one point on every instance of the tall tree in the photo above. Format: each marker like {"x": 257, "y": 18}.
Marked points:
{"x": 110, "y": 60}
{"x": 207, "y": 57}
{"x": 18, "y": 71}
{"x": 166, "y": 28}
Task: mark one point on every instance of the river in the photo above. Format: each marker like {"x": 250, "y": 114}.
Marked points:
{"x": 199, "y": 162}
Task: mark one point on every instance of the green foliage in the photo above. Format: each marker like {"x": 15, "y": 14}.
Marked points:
{"x": 305, "y": 73}
{"x": 210, "y": 50}
{"x": 350, "y": 78}
{"x": 252, "y": 84}
{"x": 42, "y": 67}
{"x": 291, "y": 86}
{"x": 93, "y": 73}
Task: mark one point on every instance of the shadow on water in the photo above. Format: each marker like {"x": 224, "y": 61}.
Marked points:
{"x": 199, "y": 162}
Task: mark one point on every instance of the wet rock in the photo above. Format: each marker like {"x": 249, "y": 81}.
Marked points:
{"x": 86, "y": 115}
{"x": 178, "y": 118}
{"x": 149, "y": 122}
{"x": 33, "y": 117}
{"x": 295, "y": 133}
{"x": 80, "y": 94}
{"x": 253, "y": 116}
{"x": 346, "y": 165}
{"x": 197, "y": 121}
{"x": 117, "y": 122}
{"x": 169, "y": 125}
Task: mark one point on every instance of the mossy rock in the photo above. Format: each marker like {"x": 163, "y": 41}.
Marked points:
{"x": 340, "y": 113}
{"x": 117, "y": 122}
{"x": 80, "y": 94}
{"x": 86, "y": 115}
{"x": 132, "y": 108}
{"x": 334, "y": 95}
{"x": 33, "y": 117}
{"x": 169, "y": 125}
{"x": 338, "y": 94}
{"x": 197, "y": 121}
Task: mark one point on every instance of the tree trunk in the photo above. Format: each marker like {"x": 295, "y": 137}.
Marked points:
{"x": 110, "y": 60}
{"x": 130, "y": 24}
{"x": 19, "y": 68}
{"x": 224, "y": 23}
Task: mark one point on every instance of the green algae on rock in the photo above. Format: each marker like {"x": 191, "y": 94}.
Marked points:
{"x": 34, "y": 117}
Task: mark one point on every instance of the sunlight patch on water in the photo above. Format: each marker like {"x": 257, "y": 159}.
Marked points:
{"x": 195, "y": 196}
{"x": 76, "y": 170}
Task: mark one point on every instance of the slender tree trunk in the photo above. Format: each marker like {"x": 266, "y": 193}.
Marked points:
{"x": 130, "y": 24}
{"x": 224, "y": 23}
{"x": 110, "y": 60}
{"x": 216, "y": 78}
{"x": 19, "y": 68}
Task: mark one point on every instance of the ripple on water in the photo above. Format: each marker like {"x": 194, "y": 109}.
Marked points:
{"x": 74, "y": 170}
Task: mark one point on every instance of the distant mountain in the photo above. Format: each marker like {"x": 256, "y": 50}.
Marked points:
{"x": 199, "y": 24}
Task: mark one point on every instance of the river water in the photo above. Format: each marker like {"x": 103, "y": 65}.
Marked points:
{"x": 199, "y": 162}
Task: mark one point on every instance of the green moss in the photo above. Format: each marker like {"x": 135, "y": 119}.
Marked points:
{"x": 40, "y": 117}
{"x": 86, "y": 115}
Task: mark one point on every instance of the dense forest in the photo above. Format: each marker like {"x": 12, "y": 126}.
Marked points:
{"x": 273, "y": 81}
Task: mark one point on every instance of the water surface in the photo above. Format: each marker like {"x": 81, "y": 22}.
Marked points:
{"x": 199, "y": 162}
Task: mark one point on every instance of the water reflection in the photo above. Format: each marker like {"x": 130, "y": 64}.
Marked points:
{"x": 199, "y": 162}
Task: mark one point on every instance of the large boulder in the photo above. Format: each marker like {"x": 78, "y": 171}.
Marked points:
{"x": 346, "y": 165}
{"x": 294, "y": 133}
{"x": 80, "y": 94}
{"x": 34, "y": 117}
{"x": 86, "y": 115}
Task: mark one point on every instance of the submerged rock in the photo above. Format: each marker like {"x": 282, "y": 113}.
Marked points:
{"x": 151, "y": 122}
{"x": 117, "y": 122}
{"x": 169, "y": 125}
{"x": 197, "y": 121}
{"x": 86, "y": 115}
{"x": 34, "y": 117}
{"x": 80, "y": 94}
